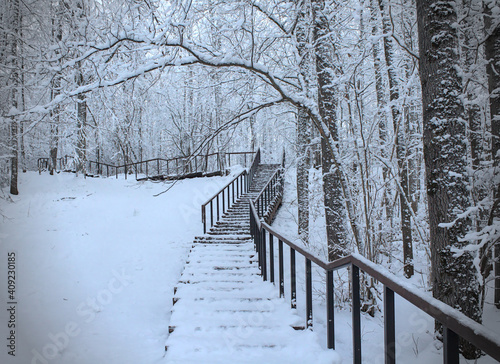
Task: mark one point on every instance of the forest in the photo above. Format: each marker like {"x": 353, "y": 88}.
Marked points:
{"x": 388, "y": 112}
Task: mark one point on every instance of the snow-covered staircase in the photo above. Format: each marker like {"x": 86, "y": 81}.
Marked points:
{"x": 223, "y": 312}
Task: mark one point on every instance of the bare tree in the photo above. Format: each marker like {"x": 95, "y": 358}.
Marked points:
{"x": 55, "y": 86}
{"x": 400, "y": 144}
{"x": 303, "y": 34}
{"x": 12, "y": 40}
{"x": 454, "y": 279}
{"x": 492, "y": 55}
{"x": 335, "y": 214}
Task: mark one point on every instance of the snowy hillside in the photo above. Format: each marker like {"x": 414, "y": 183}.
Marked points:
{"x": 97, "y": 260}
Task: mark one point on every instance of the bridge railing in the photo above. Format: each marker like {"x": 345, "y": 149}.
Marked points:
{"x": 455, "y": 324}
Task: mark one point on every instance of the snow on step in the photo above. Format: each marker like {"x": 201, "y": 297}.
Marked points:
{"x": 223, "y": 312}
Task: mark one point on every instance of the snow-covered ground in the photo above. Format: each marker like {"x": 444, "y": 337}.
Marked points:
{"x": 97, "y": 260}
{"x": 96, "y": 263}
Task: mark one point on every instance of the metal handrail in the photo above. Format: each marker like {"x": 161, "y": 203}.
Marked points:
{"x": 187, "y": 160}
{"x": 455, "y": 322}
{"x": 157, "y": 160}
{"x": 271, "y": 190}
{"x": 239, "y": 186}
{"x": 220, "y": 196}
{"x": 253, "y": 168}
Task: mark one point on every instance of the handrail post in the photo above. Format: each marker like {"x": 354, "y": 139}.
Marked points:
{"x": 389, "y": 326}
{"x": 237, "y": 187}
{"x": 223, "y": 203}
{"x": 217, "y": 208}
{"x": 251, "y": 224}
{"x": 211, "y": 214}
{"x": 203, "y": 219}
{"x": 261, "y": 206}
{"x": 356, "y": 315}
{"x": 309, "y": 309}
{"x": 330, "y": 313}
{"x": 450, "y": 346}
{"x": 257, "y": 245}
{"x": 293, "y": 281}
{"x": 281, "y": 273}
{"x": 271, "y": 257}
{"x": 264, "y": 260}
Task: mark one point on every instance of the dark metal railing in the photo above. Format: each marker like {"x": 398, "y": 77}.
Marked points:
{"x": 240, "y": 158}
{"x": 43, "y": 163}
{"x": 269, "y": 198}
{"x": 224, "y": 199}
{"x": 253, "y": 167}
{"x": 228, "y": 194}
{"x": 155, "y": 167}
{"x": 160, "y": 166}
{"x": 455, "y": 324}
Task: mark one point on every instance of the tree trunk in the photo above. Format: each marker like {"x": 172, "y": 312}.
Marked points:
{"x": 306, "y": 64}
{"x": 81, "y": 124}
{"x": 13, "y": 43}
{"x": 22, "y": 100}
{"x": 303, "y": 165}
{"x": 492, "y": 54}
{"x": 470, "y": 26}
{"x": 454, "y": 280}
{"x": 55, "y": 91}
{"x": 14, "y": 161}
{"x": 400, "y": 141}
{"x": 335, "y": 214}
{"x": 382, "y": 128}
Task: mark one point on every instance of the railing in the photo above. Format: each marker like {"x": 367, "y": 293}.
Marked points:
{"x": 241, "y": 158}
{"x": 235, "y": 188}
{"x": 160, "y": 166}
{"x": 454, "y": 322}
{"x": 269, "y": 198}
{"x": 43, "y": 163}
{"x": 253, "y": 167}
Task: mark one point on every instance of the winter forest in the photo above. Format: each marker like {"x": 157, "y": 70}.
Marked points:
{"x": 387, "y": 112}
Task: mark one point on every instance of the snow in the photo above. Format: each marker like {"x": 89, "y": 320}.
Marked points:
{"x": 97, "y": 260}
